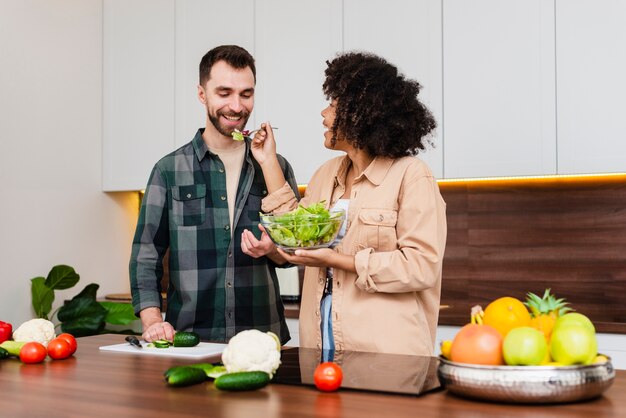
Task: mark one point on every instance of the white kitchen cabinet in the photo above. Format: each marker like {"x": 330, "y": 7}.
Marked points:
{"x": 200, "y": 26}
{"x": 499, "y": 88}
{"x": 138, "y": 89}
{"x": 293, "y": 40}
{"x": 408, "y": 34}
{"x": 591, "y": 63}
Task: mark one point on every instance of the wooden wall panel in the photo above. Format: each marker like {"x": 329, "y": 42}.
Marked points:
{"x": 519, "y": 236}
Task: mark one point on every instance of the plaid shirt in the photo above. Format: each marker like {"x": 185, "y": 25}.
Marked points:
{"x": 214, "y": 288}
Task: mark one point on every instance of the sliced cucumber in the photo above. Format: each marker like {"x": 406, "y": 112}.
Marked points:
{"x": 161, "y": 343}
{"x": 216, "y": 372}
{"x": 240, "y": 381}
{"x": 185, "y": 376}
{"x": 186, "y": 339}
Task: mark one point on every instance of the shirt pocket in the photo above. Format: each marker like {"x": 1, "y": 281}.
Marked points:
{"x": 378, "y": 229}
{"x": 188, "y": 204}
{"x": 253, "y": 205}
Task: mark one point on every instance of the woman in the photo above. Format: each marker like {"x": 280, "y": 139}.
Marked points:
{"x": 379, "y": 288}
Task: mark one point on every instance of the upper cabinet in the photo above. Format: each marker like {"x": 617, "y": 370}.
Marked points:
{"x": 498, "y": 88}
{"x": 591, "y": 63}
{"x": 200, "y": 26}
{"x": 138, "y": 90}
{"x": 293, "y": 40}
{"x": 518, "y": 87}
{"x": 408, "y": 34}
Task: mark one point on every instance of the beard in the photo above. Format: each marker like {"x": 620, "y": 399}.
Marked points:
{"x": 227, "y": 130}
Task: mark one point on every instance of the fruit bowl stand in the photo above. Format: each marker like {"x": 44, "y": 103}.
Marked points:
{"x": 526, "y": 384}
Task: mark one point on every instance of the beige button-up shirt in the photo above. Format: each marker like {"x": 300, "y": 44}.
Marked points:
{"x": 397, "y": 233}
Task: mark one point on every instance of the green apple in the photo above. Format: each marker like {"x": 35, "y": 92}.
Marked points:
{"x": 524, "y": 346}
{"x": 574, "y": 318}
{"x": 573, "y": 343}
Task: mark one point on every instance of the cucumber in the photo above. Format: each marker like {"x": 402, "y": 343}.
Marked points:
{"x": 185, "y": 376}
{"x": 206, "y": 367}
{"x": 3, "y": 353}
{"x": 13, "y": 347}
{"x": 240, "y": 381}
{"x": 186, "y": 339}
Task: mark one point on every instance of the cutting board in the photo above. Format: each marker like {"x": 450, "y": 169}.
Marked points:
{"x": 201, "y": 350}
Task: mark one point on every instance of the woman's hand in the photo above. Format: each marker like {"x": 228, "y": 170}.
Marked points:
{"x": 263, "y": 144}
{"x": 254, "y": 247}
{"x": 321, "y": 257}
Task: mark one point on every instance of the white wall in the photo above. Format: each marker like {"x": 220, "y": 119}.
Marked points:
{"x": 52, "y": 210}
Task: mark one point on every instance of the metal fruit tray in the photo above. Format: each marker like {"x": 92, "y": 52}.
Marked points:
{"x": 526, "y": 384}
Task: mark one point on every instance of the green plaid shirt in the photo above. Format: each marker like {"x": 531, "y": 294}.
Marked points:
{"x": 214, "y": 288}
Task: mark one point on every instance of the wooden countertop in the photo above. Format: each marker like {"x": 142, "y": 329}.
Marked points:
{"x": 105, "y": 384}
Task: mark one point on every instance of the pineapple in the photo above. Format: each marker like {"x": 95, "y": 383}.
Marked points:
{"x": 545, "y": 311}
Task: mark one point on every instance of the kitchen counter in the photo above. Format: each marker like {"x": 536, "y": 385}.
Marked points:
{"x": 292, "y": 310}
{"x": 94, "y": 383}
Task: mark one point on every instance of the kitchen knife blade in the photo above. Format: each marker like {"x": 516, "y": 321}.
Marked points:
{"x": 132, "y": 340}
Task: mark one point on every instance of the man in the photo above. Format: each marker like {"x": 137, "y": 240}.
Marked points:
{"x": 198, "y": 201}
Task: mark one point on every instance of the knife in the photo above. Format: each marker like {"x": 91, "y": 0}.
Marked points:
{"x": 132, "y": 340}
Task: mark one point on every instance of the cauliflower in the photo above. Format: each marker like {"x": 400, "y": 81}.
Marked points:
{"x": 38, "y": 329}
{"x": 252, "y": 350}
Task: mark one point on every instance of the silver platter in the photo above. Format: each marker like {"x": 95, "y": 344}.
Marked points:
{"x": 526, "y": 384}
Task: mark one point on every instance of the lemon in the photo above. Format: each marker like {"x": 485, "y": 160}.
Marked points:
{"x": 600, "y": 359}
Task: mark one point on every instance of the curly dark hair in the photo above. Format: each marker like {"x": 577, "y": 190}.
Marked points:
{"x": 377, "y": 108}
{"x": 234, "y": 55}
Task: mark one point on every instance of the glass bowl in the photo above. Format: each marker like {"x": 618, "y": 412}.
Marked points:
{"x": 309, "y": 231}
{"x": 526, "y": 384}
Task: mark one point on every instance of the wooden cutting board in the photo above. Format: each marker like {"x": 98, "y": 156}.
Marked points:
{"x": 201, "y": 350}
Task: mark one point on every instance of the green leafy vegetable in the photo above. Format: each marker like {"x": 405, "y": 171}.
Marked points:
{"x": 83, "y": 314}
{"x": 304, "y": 227}
{"x": 237, "y": 135}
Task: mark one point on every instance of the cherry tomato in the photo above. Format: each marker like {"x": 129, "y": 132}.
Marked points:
{"x": 33, "y": 352}
{"x": 328, "y": 376}
{"x": 59, "y": 349}
{"x": 70, "y": 340}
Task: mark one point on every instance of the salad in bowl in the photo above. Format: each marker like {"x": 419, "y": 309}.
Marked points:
{"x": 308, "y": 227}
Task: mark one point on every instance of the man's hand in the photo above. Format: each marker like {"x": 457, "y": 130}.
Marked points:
{"x": 254, "y": 247}
{"x": 154, "y": 328}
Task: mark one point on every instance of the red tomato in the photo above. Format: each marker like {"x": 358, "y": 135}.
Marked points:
{"x": 59, "y": 349}
{"x": 70, "y": 340}
{"x": 328, "y": 376}
{"x": 33, "y": 352}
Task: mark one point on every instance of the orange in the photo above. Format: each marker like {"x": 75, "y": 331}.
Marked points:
{"x": 477, "y": 344}
{"x": 506, "y": 313}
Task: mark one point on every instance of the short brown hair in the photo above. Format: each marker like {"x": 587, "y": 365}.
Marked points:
{"x": 233, "y": 55}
